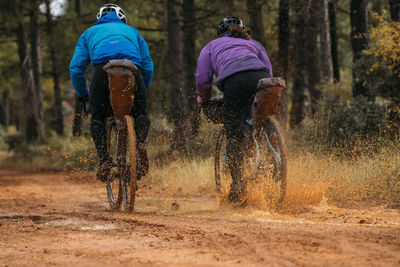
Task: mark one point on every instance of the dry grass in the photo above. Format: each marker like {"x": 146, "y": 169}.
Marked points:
{"x": 188, "y": 176}
{"x": 364, "y": 179}
{"x": 360, "y": 181}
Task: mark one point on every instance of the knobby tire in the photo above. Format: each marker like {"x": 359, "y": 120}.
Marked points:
{"x": 115, "y": 204}
{"x": 130, "y": 190}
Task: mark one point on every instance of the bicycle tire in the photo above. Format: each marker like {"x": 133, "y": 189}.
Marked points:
{"x": 279, "y": 173}
{"x": 277, "y": 148}
{"x": 114, "y": 180}
{"x": 222, "y": 173}
{"x": 129, "y": 180}
{"x": 217, "y": 160}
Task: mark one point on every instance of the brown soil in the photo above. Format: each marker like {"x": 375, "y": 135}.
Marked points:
{"x": 64, "y": 219}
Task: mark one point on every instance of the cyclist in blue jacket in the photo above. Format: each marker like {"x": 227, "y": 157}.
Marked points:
{"x": 111, "y": 38}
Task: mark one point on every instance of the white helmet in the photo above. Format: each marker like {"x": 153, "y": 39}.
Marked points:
{"x": 108, "y": 8}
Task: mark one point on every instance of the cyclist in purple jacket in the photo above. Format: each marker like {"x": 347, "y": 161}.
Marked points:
{"x": 238, "y": 63}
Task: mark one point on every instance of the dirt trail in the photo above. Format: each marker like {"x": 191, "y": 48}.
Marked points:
{"x": 47, "y": 218}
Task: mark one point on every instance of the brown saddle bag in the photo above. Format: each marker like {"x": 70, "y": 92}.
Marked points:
{"x": 122, "y": 84}
{"x": 267, "y": 99}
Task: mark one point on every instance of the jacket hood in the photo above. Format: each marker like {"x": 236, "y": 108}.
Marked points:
{"x": 110, "y": 17}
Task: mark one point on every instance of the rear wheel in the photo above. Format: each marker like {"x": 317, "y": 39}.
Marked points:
{"x": 129, "y": 171}
{"x": 114, "y": 184}
{"x": 272, "y": 170}
{"x": 265, "y": 162}
{"x": 222, "y": 173}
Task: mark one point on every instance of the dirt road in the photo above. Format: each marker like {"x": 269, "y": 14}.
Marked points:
{"x": 64, "y": 219}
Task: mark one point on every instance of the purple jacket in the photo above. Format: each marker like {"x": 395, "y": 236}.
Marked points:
{"x": 225, "y": 56}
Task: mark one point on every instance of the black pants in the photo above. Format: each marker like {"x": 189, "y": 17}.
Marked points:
{"x": 100, "y": 107}
{"x": 239, "y": 90}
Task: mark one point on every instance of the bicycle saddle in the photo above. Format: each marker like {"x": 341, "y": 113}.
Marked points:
{"x": 267, "y": 99}
{"x": 124, "y": 63}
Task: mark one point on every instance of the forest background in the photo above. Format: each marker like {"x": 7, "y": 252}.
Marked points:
{"x": 340, "y": 58}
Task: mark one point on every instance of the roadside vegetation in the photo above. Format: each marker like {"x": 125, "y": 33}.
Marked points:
{"x": 342, "y": 106}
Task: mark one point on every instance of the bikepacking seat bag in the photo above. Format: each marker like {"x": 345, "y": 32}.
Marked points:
{"x": 267, "y": 99}
{"x": 121, "y": 81}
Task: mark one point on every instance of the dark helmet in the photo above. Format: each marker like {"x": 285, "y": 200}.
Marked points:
{"x": 228, "y": 21}
{"x": 108, "y": 8}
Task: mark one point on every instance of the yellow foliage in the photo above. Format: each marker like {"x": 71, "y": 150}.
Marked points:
{"x": 385, "y": 44}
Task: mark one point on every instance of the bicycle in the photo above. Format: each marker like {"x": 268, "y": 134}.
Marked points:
{"x": 121, "y": 139}
{"x": 267, "y": 161}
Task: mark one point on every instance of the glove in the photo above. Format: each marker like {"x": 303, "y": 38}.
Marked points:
{"x": 83, "y": 99}
{"x": 200, "y": 101}
{"x": 84, "y": 103}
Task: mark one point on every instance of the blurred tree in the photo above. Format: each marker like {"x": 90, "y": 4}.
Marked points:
{"x": 333, "y": 38}
{"x": 360, "y": 42}
{"x": 4, "y": 110}
{"x": 35, "y": 123}
{"x": 189, "y": 57}
{"x": 300, "y": 89}
{"x": 311, "y": 12}
{"x": 77, "y": 122}
{"x": 255, "y": 11}
{"x": 59, "y": 121}
{"x": 78, "y": 7}
{"x": 176, "y": 77}
{"x": 395, "y": 10}
{"x": 30, "y": 67}
{"x": 325, "y": 41}
{"x": 283, "y": 57}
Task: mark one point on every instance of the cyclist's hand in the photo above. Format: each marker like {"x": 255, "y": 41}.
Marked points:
{"x": 200, "y": 101}
{"x": 84, "y": 103}
{"x": 83, "y": 99}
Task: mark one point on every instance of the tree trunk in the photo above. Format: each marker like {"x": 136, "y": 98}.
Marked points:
{"x": 189, "y": 57}
{"x": 77, "y": 122}
{"x": 395, "y": 10}
{"x": 59, "y": 124}
{"x": 300, "y": 90}
{"x": 35, "y": 126}
{"x": 15, "y": 116}
{"x": 78, "y": 7}
{"x": 283, "y": 57}
{"x": 313, "y": 68}
{"x": 178, "y": 112}
{"x": 254, "y": 9}
{"x": 359, "y": 41}
{"x": 32, "y": 96}
{"x": 2, "y": 112}
{"x": 334, "y": 45}
{"x": 325, "y": 41}
{"x": 6, "y": 111}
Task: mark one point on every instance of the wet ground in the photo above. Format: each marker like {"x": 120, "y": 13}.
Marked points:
{"x": 64, "y": 219}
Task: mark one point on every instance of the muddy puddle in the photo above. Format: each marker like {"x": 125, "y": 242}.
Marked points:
{"x": 61, "y": 221}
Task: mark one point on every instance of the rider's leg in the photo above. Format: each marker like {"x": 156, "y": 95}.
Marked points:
{"x": 238, "y": 91}
{"x": 142, "y": 122}
{"x": 99, "y": 103}
{"x": 233, "y": 118}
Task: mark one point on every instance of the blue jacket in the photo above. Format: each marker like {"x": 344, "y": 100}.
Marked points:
{"x": 109, "y": 38}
